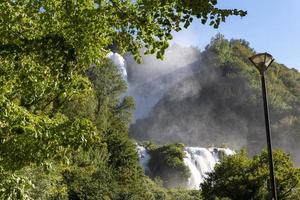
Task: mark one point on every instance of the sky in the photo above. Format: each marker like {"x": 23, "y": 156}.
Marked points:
{"x": 271, "y": 26}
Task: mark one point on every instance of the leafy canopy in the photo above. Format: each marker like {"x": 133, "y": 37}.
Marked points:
{"x": 239, "y": 177}
{"x": 46, "y": 48}
{"x": 88, "y": 27}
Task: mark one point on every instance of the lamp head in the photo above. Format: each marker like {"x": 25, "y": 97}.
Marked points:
{"x": 262, "y": 61}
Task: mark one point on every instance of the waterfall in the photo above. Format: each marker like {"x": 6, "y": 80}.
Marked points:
{"x": 144, "y": 158}
{"x": 119, "y": 61}
{"x": 200, "y": 161}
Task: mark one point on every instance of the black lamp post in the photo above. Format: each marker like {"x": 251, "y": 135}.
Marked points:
{"x": 262, "y": 61}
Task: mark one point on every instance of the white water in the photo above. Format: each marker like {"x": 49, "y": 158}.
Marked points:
{"x": 144, "y": 158}
{"x": 119, "y": 61}
{"x": 200, "y": 161}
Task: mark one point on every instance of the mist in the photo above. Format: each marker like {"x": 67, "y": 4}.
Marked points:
{"x": 186, "y": 99}
{"x": 149, "y": 80}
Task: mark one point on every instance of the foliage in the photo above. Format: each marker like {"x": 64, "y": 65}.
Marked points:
{"x": 50, "y": 109}
{"x": 108, "y": 170}
{"x": 87, "y": 28}
{"x": 47, "y": 46}
{"x": 180, "y": 194}
{"x": 239, "y": 177}
{"x": 14, "y": 186}
{"x": 167, "y": 163}
{"x": 221, "y": 102}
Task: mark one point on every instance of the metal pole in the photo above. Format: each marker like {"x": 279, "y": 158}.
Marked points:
{"x": 268, "y": 135}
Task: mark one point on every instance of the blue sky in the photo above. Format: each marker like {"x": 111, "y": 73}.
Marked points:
{"x": 271, "y": 26}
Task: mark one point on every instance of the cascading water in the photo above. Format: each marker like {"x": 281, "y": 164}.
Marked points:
{"x": 144, "y": 158}
{"x": 200, "y": 161}
{"x": 119, "y": 61}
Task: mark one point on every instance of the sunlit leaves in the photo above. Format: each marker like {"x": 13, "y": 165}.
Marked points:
{"x": 14, "y": 186}
{"x": 26, "y": 138}
{"x": 46, "y": 47}
{"x": 239, "y": 177}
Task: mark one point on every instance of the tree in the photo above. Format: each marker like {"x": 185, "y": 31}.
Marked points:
{"x": 46, "y": 47}
{"x": 98, "y": 172}
{"x": 167, "y": 163}
{"x": 239, "y": 177}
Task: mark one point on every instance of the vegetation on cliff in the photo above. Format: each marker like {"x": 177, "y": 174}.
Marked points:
{"x": 221, "y": 103}
{"x": 166, "y": 163}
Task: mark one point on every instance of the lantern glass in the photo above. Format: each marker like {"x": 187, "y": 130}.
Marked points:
{"x": 262, "y": 61}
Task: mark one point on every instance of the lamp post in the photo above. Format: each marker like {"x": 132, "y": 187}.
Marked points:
{"x": 262, "y": 61}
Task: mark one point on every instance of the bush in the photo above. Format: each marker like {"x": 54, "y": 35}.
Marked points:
{"x": 239, "y": 177}
{"x": 167, "y": 163}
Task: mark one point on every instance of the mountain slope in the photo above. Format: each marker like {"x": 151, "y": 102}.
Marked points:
{"x": 220, "y": 103}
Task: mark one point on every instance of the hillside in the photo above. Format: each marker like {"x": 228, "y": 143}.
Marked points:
{"x": 220, "y": 103}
